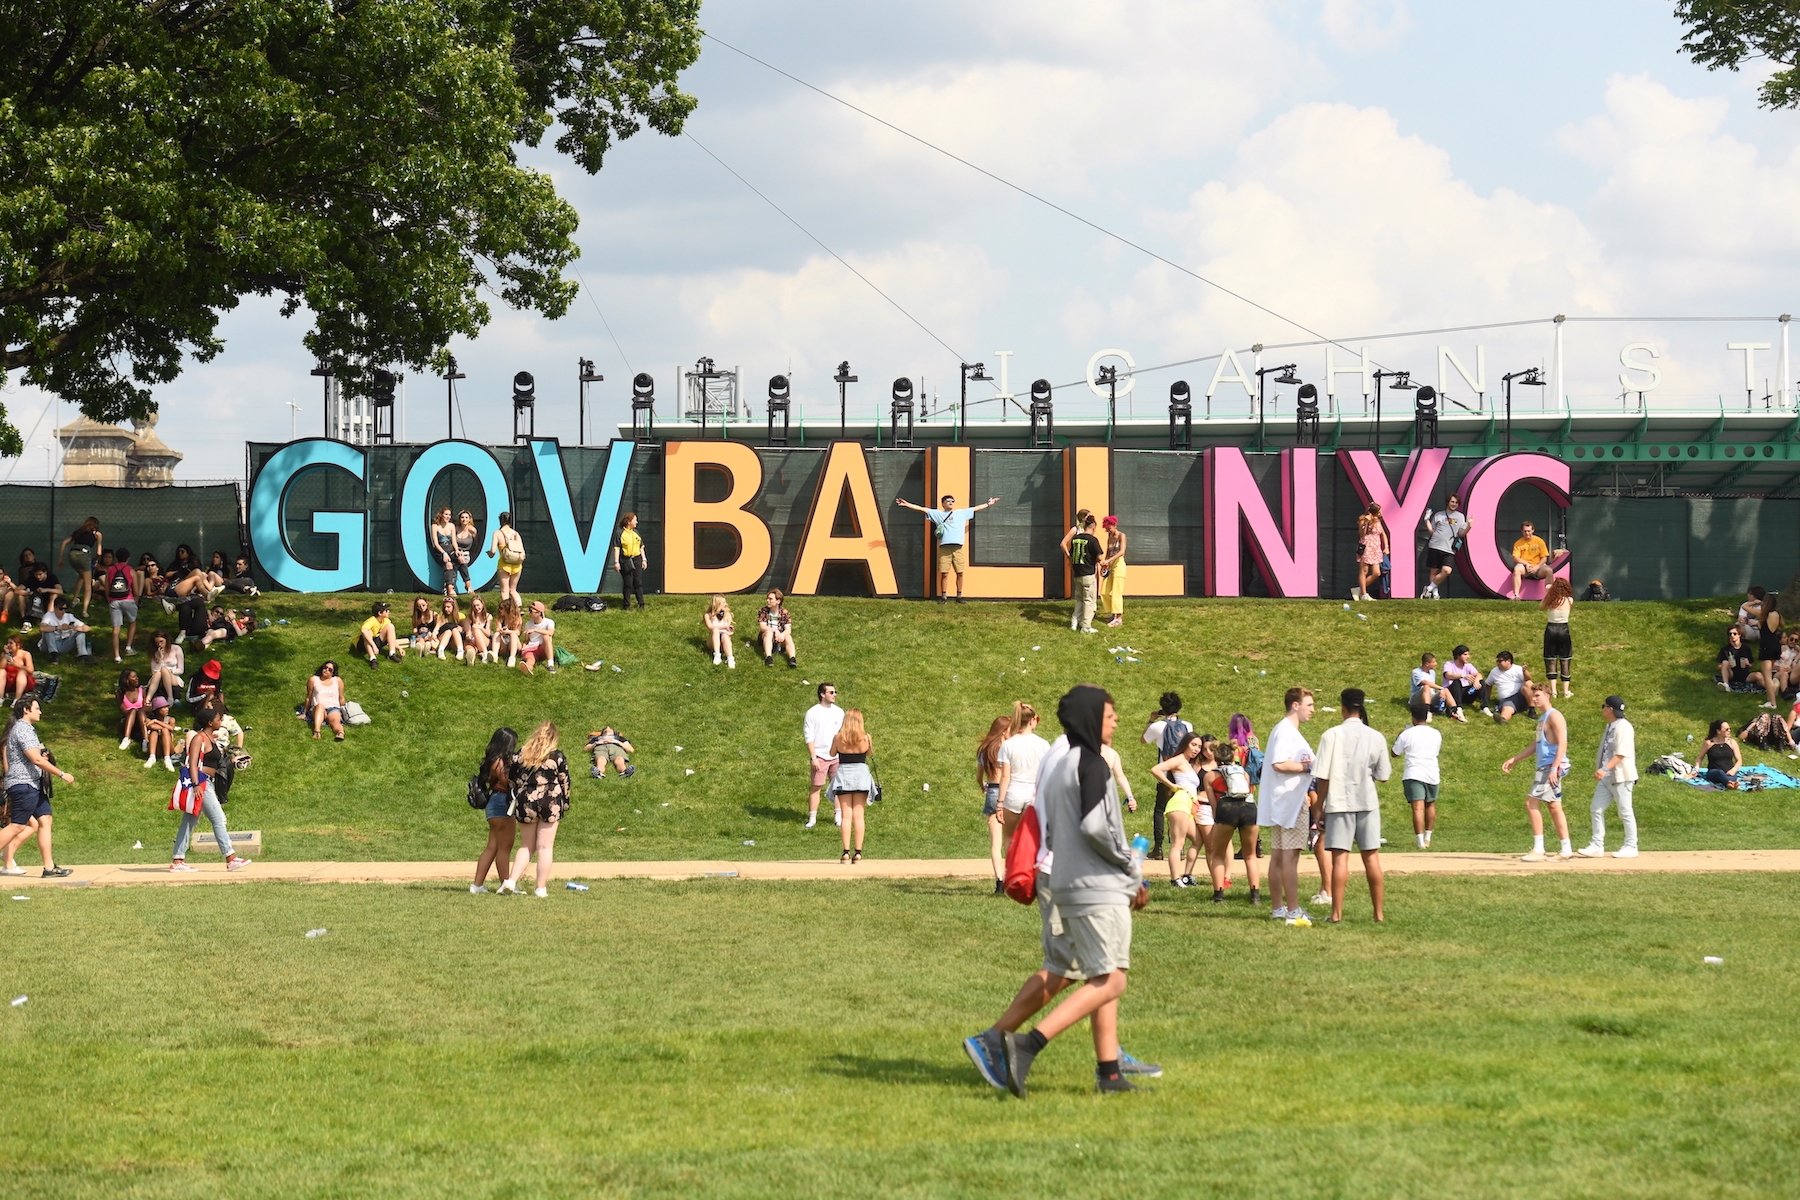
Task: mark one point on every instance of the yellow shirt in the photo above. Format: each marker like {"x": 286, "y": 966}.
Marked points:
{"x": 374, "y": 625}
{"x": 1531, "y": 550}
{"x": 630, "y": 544}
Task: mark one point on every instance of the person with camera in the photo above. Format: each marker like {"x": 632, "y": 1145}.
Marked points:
{"x": 29, "y": 769}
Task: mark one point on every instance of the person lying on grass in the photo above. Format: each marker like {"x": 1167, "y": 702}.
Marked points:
{"x": 611, "y": 746}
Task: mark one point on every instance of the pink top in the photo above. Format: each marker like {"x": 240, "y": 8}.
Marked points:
{"x": 132, "y": 701}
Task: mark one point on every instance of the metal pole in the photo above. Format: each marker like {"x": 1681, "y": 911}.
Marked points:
{"x": 962, "y": 417}
{"x": 1558, "y": 384}
{"x": 1378, "y": 412}
{"x": 1260, "y": 443}
{"x": 1506, "y": 385}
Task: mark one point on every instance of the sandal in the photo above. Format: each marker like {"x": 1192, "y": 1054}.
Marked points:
{"x": 844, "y": 857}
{"x": 856, "y": 857}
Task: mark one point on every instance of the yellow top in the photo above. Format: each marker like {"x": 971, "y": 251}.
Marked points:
{"x": 1531, "y": 550}
{"x": 630, "y": 544}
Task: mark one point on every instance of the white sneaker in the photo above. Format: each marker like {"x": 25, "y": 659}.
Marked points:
{"x": 124, "y": 743}
{"x": 1280, "y": 914}
{"x": 542, "y": 893}
{"x": 1420, "y": 838}
{"x": 169, "y": 763}
{"x": 506, "y": 888}
{"x": 1565, "y": 854}
{"x": 1534, "y": 856}
{"x": 717, "y": 659}
{"x": 149, "y": 762}
{"x": 731, "y": 664}
{"x": 837, "y": 816}
{"x": 478, "y": 889}
{"x": 811, "y": 821}
{"x": 1299, "y": 919}
{"x": 1428, "y": 834}
{"x": 1323, "y": 898}
{"x": 1592, "y": 851}
{"x": 1626, "y": 852}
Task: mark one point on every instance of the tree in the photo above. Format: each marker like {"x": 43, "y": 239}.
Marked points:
{"x": 1726, "y": 33}
{"x": 161, "y": 159}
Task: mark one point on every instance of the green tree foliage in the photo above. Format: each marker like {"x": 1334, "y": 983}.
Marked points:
{"x": 1727, "y": 33}
{"x": 160, "y": 159}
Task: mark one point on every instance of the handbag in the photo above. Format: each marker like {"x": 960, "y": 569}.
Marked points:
{"x": 874, "y": 782}
{"x": 478, "y": 795}
{"x": 188, "y": 795}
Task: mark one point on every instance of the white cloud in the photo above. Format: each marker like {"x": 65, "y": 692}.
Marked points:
{"x": 1365, "y": 25}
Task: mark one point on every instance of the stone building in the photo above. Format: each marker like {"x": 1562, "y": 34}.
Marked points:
{"x": 109, "y": 454}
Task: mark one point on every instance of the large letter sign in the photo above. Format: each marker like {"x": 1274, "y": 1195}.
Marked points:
{"x": 1483, "y": 564}
{"x": 415, "y": 522}
{"x": 845, "y": 477}
{"x": 950, "y": 471}
{"x": 1403, "y": 510}
{"x": 684, "y": 513}
{"x": 583, "y": 558}
{"x": 1286, "y": 557}
{"x": 1087, "y": 483}
{"x": 268, "y": 519}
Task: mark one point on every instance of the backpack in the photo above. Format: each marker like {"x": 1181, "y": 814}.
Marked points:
{"x": 1255, "y": 764}
{"x": 1022, "y": 856}
{"x": 478, "y": 793}
{"x": 579, "y": 604}
{"x": 1766, "y": 732}
{"x": 1175, "y": 732}
{"x": 512, "y": 551}
{"x": 118, "y": 582}
{"x": 1237, "y": 781}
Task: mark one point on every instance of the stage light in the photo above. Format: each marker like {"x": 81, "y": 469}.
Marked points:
{"x": 901, "y": 404}
{"x": 524, "y": 398}
{"x": 843, "y": 379}
{"x": 780, "y": 401}
{"x": 585, "y": 375}
{"x": 1042, "y": 410}
{"x": 643, "y": 406}
{"x": 1425, "y": 416}
{"x": 1306, "y": 415}
{"x": 1530, "y": 377}
{"x": 1181, "y": 409}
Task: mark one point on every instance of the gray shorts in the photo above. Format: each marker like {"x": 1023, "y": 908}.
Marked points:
{"x": 1081, "y": 947}
{"x": 1363, "y": 828}
{"x": 124, "y": 612}
{"x": 1417, "y": 791}
{"x": 1543, "y": 789}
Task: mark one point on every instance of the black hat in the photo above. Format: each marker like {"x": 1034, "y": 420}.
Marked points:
{"x": 1616, "y": 703}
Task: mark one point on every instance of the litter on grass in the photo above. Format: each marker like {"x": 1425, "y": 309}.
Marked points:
{"x": 21, "y": 897}
{"x": 749, "y": 841}
{"x": 925, "y": 786}
{"x": 679, "y": 749}
{"x": 313, "y": 933}
{"x": 687, "y": 770}
{"x": 575, "y": 887}
{"x": 1711, "y": 960}
{"x": 19, "y": 1001}
{"x": 137, "y": 845}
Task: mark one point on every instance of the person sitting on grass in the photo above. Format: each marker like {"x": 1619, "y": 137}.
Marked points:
{"x": 205, "y": 686}
{"x": 61, "y": 631}
{"x": 424, "y": 627}
{"x": 447, "y": 628}
{"x": 378, "y": 631}
{"x": 609, "y": 745}
{"x": 1720, "y": 756}
{"x": 221, "y": 626}
{"x": 21, "y": 674}
{"x": 720, "y": 628}
{"x": 325, "y": 701}
{"x": 168, "y": 668}
{"x": 132, "y": 708}
{"x": 540, "y": 640}
{"x": 1425, "y": 689}
{"x": 1505, "y": 688}
{"x": 1462, "y": 678}
{"x": 478, "y": 631}
{"x": 1737, "y": 664}
{"x": 775, "y": 625}
{"x": 506, "y": 636}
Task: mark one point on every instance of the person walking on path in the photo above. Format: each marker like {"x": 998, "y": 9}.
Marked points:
{"x": 499, "y": 766}
{"x": 28, "y": 806}
{"x": 205, "y": 784}
{"x": 1084, "y": 552}
{"x": 1352, "y": 759}
{"x": 1550, "y": 750}
{"x": 630, "y": 561}
{"x": 1281, "y": 801}
{"x": 542, "y": 788}
{"x": 820, "y": 728}
{"x": 951, "y": 525}
{"x": 1418, "y": 747}
{"x": 1089, "y": 882}
{"x": 1615, "y": 775}
{"x": 1444, "y": 533}
{"x": 1112, "y": 573}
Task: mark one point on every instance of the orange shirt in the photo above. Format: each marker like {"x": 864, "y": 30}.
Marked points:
{"x": 1531, "y": 550}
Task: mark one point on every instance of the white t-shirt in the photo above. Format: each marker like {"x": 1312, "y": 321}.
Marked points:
{"x": 822, "y": 724}
{"x": 535, "y": 630}
{"x": 1153, "y": 732}
{"x": 1419, "y": 746}
{"x": 53, "y": 622}
{"x": 1421, "y": 677}
{"x": 1282, "y": 795}
{"x": 1506, "y": 683}
{"x": 1022, "y": 752}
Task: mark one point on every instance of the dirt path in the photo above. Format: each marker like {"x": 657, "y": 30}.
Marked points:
{"x": 1665, "y": 861}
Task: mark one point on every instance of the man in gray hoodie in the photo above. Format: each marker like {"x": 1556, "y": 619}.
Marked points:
{"x": 1088, "y": 885}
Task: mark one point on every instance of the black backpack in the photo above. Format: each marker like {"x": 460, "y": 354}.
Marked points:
{"x": 118, "y": 582}
{"x": 579, "y": 604}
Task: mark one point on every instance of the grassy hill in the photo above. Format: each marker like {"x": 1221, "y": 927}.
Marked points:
{"x": 720, "y": 755}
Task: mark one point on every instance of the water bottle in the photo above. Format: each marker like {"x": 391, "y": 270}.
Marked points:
{"x": 1140, "y": 846}
{"x": 573, "y": 886}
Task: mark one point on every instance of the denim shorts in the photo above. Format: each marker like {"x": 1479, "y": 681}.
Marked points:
{"x": 990, "y": 799}
{"x": 498, "y": 804}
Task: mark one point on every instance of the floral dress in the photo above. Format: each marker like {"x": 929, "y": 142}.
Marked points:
{"x": 542, "y": 791}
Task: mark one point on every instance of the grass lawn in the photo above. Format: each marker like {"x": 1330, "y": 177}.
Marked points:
{"x": 1512, "y": 1036}
{"x": 720, "y": 755}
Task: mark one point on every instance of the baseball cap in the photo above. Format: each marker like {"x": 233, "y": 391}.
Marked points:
{"x": 1616, "y": 703}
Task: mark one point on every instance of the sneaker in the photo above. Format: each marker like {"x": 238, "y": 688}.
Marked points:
{"x": 15, "y": 869}
{"x": 58, "y": 872}
{"x": 56, "y": 657}
{"x": 1155, "y": 855}
{"x": 943, "y": 599}
{"x": 1534, "y": 856}
{"x": 959, "y": 598}
{"x": 117, "y": 659}
{"x": 1323, "y": 898}
{"x": 1764, "y": 704}
{"x": 1089, "y": 629}
{"x": 1115, "y": 1083}
{"x": 1018, "y": 1057}
{"x": 1565, "y": 854}
{"x": 1218, "y": 895}
{"x": 1185, "y": 881}
{"x": 811, "y": 821}
{"x": 1255, "y": 896}
{"x": 999, "y": 887}
{"x": 1626, "y": 852}
{"x": 596, "y": 773}
{"x": 131, "y": 649}
{"x": 149, "y": 762}
{"x": 178, "y": 867}
{"x": 628, "y": 772}
{"x": 1591, "y": 851}
{"x": 1137, "y": 1066}
{"x": 542, "y": 893}
{"x": 837, "y": 817}
{"x": 987, "y": 1051}
{"x": 1458, "y": 714}
{"x": 731, "y": 664}
{"x": 478, "y": 889}
{"x": 169, "y": 762}
{"x": 768, "y": 660}
{"x": 1299, "y": 919}
{"x": 125, "y": 743}
{"x": 506, "y": 888}
{"x": 549, "y": 668}
{"x": 792, "y": 661}
{"x": 1723, "y": 686}
{"x": 717, "y": 658}
{"x": 1280, "y": 914}
{"x": 234, "y": 863}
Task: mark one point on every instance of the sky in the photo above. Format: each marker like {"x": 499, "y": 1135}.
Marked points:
{"x": 1339, "y": 169}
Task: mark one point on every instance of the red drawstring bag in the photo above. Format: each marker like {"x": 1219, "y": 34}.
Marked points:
{"x": 1022, "y": 857}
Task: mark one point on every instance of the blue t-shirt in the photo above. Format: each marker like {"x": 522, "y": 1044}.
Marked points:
{"x": 950, "y": 524}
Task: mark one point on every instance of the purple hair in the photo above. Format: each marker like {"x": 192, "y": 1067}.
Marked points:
{"x": 1240, "y": 730}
